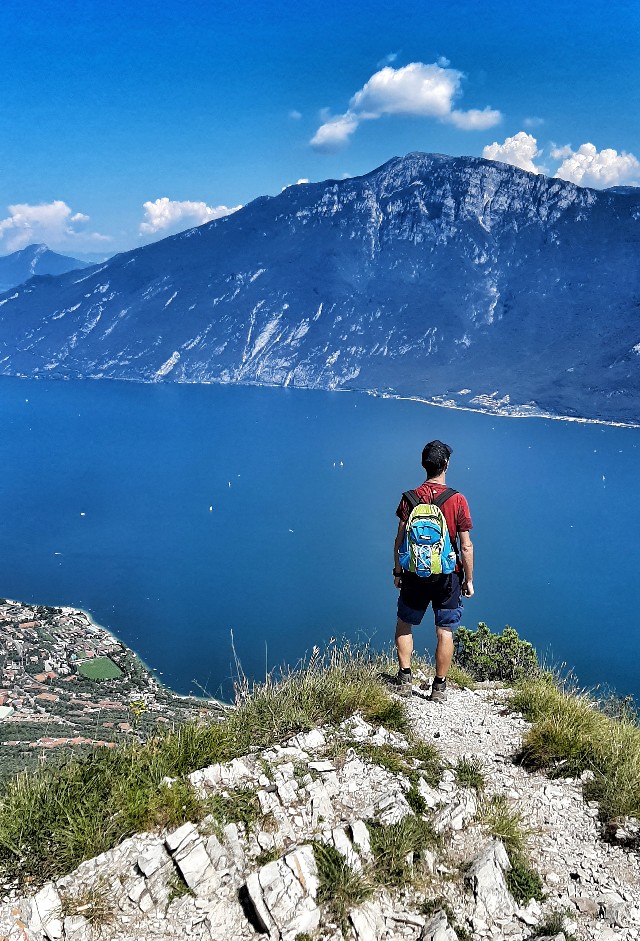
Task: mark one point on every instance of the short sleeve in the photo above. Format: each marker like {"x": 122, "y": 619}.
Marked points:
{"x": 403, "y": 509}
{"x": 463, "y": 515}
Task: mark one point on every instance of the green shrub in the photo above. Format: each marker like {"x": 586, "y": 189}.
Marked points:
{"x": 488, "y": 656}
{"x": 523, "y": 881}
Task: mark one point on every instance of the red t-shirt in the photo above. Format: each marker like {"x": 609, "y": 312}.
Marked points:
{"x": 455, "y": 510}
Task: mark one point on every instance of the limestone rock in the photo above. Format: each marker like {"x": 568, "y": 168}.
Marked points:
{"x": 438, "y": 929}
{"x": 486, "y": 874}
{"x": 367, "y": 921}
{"x": 283, "y": 894}
{"x": 190, "y": 856}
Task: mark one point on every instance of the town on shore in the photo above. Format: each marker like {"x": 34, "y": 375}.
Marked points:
{"x": 66, "y": 683}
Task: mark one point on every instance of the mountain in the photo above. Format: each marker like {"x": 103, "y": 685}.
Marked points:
{"x": 452, "y": 279}
{"x": 34, "y": 259}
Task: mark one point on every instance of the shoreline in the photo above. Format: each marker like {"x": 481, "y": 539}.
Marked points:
{"x": 67, "y": 682}
{"x": 438, "y": 401}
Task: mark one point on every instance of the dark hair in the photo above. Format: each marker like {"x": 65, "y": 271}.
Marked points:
{"x": 435, "y": 457}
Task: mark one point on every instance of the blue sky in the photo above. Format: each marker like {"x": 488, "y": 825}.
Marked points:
{"x": 194, "y": 108}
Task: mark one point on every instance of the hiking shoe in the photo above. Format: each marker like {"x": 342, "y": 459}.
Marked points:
{"x": 438, "y": 691}
{"x": 400, "y": 684}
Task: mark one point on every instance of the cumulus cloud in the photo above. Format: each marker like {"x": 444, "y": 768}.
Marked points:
{"x": 335, "y": 132}
{"x": 519, "y": 150}
{"x": 53, "y": 223}
{"x": 533, "y": 122}
{"x": 417, "y": 89}
{"x": 588, "y": 166}
{"x": 560, "y": 153}
{"x": 171, "y": 215}
{"x": 474, "y": 119}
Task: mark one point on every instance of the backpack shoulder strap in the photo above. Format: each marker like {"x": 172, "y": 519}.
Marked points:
{"x": 443, "y": 497}
{"x": 412, "y": 499}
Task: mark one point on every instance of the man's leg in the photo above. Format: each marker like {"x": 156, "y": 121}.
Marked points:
{"x": 404, "y": 643}
{"x": 447, "y": 612}
{"x": 444, "y": 651}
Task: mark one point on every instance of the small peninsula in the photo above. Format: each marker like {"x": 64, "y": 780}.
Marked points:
{"x": 67, "y": 683}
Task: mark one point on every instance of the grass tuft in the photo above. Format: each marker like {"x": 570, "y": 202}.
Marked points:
{"x": 460, "y": 677}
{"x": 431, "y": 906}
{"x": 94, "y": 902}
{"x": 394, "y": 843}
{"x": 341, "y": 887}
{"x": 504, "y": 822}
{"x": 469, "y": 773}
{"x": 553, "y": 924}
{"x": 571, "y": 734}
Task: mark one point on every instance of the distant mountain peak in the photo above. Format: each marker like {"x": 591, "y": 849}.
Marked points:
{"x": 34, "y": 259}
{"x": 458, "y": 280}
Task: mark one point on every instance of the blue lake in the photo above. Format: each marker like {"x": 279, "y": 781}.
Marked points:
{"x": 180, "y": 516}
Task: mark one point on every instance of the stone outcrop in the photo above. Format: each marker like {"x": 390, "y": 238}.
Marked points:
{"x": 220, "y": 880}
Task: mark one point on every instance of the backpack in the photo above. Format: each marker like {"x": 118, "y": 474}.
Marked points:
{"x": 426, "y": 548}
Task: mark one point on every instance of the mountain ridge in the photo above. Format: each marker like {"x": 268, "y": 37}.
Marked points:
{"x": 35, "y": 259}
{"x": 425, "y": 277}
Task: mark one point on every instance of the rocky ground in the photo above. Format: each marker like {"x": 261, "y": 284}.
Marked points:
{"x": 209, "y": 882}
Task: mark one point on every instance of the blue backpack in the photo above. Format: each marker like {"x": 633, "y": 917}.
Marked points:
{"x": 426, "y": 548}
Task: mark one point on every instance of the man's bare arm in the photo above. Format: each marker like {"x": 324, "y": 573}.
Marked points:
{"x": 396, "y": 549}
{"x": 466, "y": 552}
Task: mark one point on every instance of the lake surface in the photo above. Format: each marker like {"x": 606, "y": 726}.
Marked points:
{"x": 182, "y": 516}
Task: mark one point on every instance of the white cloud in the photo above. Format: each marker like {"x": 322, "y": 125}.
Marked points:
{"x": 295, "y": 115}
{"x": 171, "y": 215}
{"x": 560, "y": 153}
{"x": 533, "y": 122}
{"x": 387, "y": 60}
{"x": 589, "y": 167}
{"x": 53, "y": 223}
{"x": 334, "y": 133}
{"x": 519, "y": 150}
{"x": 416, "y": 89}
{"x": 475, "y": 120}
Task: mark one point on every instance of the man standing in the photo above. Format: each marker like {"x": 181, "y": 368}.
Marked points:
{"x": 442, "y": 591}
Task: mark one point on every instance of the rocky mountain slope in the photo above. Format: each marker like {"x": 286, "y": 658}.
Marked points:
{"x": 34, "y": 260}
{"x": 452, "y": 279}
{"x": 241, "y": 882}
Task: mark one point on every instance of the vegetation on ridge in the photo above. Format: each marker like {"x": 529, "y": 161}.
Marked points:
{"x": 572, "y": 733}
{"x": 53, "y": 818}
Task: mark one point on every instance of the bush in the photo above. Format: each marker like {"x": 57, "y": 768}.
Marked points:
{"x": 489, "y": 656}
{"x": 523, "y": 881}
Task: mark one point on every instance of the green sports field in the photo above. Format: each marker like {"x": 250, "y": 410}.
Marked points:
{"x": 102, "y": 668}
